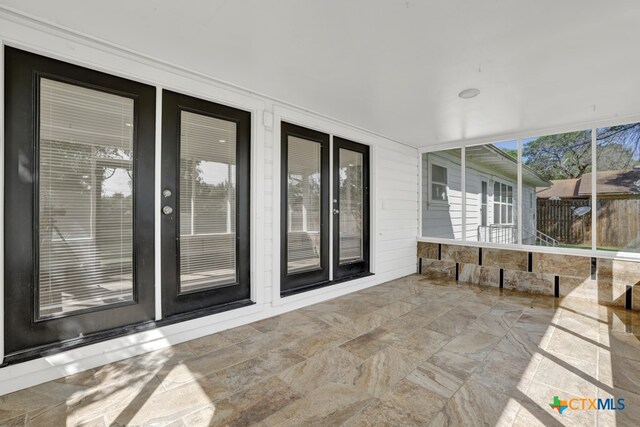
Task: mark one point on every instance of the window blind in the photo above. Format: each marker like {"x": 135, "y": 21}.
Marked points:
{"x": 85, "y": 198}
{"x": 303, "y": 204}
{"x": 351, "y": 206}
{"x": 207, "y": 201}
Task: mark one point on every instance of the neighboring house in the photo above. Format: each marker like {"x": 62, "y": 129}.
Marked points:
{"x": 610, "y": 185}
{"x": 565, "y": 210}
{"x": 491, "y": 196}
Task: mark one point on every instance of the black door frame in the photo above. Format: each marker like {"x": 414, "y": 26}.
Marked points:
{"x": 357, "y": 268}
{"x": 291, "y": 283}
{"x": 202, "y": 302}
{"x": 24, "y": 332}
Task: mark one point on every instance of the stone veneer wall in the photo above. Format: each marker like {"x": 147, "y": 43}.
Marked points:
{"x": 601, "y": 280}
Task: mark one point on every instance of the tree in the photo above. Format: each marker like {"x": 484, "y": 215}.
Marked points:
{"x": 568, "y": 155}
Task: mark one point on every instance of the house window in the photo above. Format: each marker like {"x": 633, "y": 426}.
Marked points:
{"x": 439, "y": 184}
{"x": 502, "y": 203}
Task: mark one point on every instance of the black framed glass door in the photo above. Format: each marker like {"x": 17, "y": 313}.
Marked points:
{"x": 79, "y": 179}
{"x": 205, "y": 205}
{"x": 350, "y": 209}
{"x": 304, "y": 210}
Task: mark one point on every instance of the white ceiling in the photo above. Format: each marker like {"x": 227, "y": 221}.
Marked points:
{"x": 394, "y": 67}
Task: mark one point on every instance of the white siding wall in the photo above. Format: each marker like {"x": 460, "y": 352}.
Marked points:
{"x": 440, "y": 221}
{"x": 394, "y": 198}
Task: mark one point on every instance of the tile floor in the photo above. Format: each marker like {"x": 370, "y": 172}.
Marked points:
{"x": 412, "y": 351}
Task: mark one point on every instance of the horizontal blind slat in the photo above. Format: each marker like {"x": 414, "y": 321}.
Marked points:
{"x": 85, "y": 198}
{"x": 207, "y": 201}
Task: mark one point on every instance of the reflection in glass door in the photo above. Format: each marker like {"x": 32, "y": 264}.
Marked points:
{"x": 207, "y": 202}
{"x": 85, "y": 200}
{"x": 205, "y": 198}
{"x": 350, "y": 208}
{"x": 304, "y": 209}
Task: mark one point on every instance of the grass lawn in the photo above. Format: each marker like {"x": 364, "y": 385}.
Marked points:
{"x": 588, "y": 246}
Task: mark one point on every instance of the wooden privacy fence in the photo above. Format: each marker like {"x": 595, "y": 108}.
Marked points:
{"x": 557, "y": 219}
{"x": 618, "y": 221}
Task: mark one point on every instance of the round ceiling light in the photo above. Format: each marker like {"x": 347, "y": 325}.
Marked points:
{"x": 469, "y": 93}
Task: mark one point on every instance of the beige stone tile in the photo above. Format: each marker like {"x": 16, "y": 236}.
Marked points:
{"x": 461, "y": 254}
{"x": 564, "y": 344}
{"x": 330, "y": 404}
{"x": 476, "y": 305}
{"x": 537, "y": 320}
{"x": 453, "y": 322}
{"x": 624, "y": 344}
{"x": 396, "y": 309}
{"x": 436, "y": 379}
{"x": 116, "y": 397}
{"x": 479, "y": 275}
{"x": 421, "y": 344}
{"x": 252, "y": 371}
{"x": 404, "y": 326}
{"x": 330, "y": 365}
{"x": 18, "y": 421}
{"x": 491, "y": 324}
{"x": 163, "y": 408}
{"x": 433, "y": 309}
{"x": 579, "y": 325}
{"x": 435, "y": 269}
{"x": 521, "y": 343}
{"x": 380, "y": 372}
{"x": 316, "y": 343}
{"x": 254, "y": 404}
{"x": 362, "y": 325}
{"x": 427, "y": 250}
{"x": 618, "y": 271}
{"x": 574, "y": 376}
{"x": 530, "y": 414}
{"x": 407, "y": 404}
{"x": 282, "y": 322}
{"x": 193, "y": 369}
{"x": 476, "y": 405}
{"x": 619, "y": 373}
{"x": 537, "y": 283}
{"x": 579, "y": 287}
{"x": 331, "y": 318}
{"x": 259, "y": 344}
{"x": 506, "y": 373}
{"x": 454, "y": 364}
{"x": 156, "y": 359}
{"x": 365, "y": 345}
{"x": 565, "y": 265}
{"x": 505, "y": 259}
{"x": 240, "y": 333}
{"x": 507, "y": 310}
{"x": 472, "y": 344}
{"x": 208, "y": 343}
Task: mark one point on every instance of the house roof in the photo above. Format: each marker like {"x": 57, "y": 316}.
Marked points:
{"x": 504, "y": 164}
{"x": 608, "y": 183}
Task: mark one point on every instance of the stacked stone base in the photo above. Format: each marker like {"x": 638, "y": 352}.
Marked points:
{"x": 599, "y": 280}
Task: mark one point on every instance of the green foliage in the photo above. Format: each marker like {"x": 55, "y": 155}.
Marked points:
{"x": 568, "y": 155}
